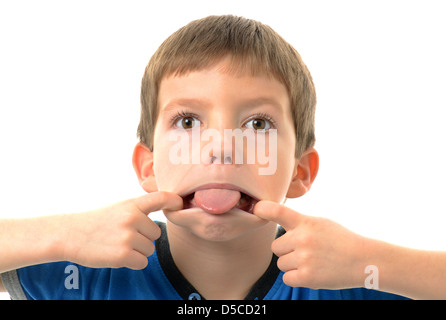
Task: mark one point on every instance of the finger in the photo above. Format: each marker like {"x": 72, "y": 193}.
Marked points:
{"x": 287, "y": 262}
{"x": 148, "y": 228}
{"x": 292, "y": 278}
{"x": 143, "y": 245}
{"x": 277, "y": 213}
{"x": 282, "y": 245}
{"x": 159, "y": 200}
{"x": 136, "y": 261}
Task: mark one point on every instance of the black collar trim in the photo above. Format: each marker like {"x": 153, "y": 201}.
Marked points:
{"x": 188, "y": 292}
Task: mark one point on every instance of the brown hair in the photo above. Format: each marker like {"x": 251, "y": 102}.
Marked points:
{"x": 252, "y": 46}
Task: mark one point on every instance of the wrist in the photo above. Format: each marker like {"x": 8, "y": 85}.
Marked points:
{"x": 28, "y": 242}
{"x": 374, "y": 262}
{"x": 62, "y": 245}
{"x": 47, "y": 240}
{"x": 55, "y": 245}
{"x": 384, "y": 263}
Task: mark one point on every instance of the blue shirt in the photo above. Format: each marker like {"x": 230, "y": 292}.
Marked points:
{"x": 160, "y": 280}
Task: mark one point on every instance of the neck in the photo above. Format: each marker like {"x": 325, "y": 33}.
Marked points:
{"x": 222, "y": 269}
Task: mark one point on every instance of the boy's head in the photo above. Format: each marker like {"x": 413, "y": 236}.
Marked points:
{"x": 252, "y": 47}
{"x": 216, "y": 74}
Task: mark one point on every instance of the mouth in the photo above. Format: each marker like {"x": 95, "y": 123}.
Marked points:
{"x": 219, "y": 199}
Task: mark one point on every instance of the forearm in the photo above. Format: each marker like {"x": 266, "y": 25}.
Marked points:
{"x": 417, "y": 274}
{"x": 31, "y": 241}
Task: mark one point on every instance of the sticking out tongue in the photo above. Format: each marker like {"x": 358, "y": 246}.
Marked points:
{"x": 217, "y": 200}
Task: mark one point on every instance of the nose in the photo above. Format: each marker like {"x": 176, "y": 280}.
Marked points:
{"x": 227, "y": 159}
{"x": 220, "y": 152}
{"x": 220, "y": 148}
{"x": 219, "y": 134}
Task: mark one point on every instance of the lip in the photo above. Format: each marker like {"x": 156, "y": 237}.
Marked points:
{"x": 227, "y": 186}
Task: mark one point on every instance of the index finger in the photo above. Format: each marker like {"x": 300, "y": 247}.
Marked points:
{"x": 272, "y": 211}
{"x": 160, "y": 200}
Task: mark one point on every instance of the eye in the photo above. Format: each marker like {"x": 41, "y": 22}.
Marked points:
{"x": 259, "y": 124}
{"x": 187, "y": 122}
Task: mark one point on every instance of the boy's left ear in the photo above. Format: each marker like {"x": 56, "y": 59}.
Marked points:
{"x": 304, "y": 173}
{"x": 143, "y": 164}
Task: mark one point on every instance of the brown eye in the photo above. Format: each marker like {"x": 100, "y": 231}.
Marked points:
{"x": 187, "y": 122}
{"x": 259, "y": 124}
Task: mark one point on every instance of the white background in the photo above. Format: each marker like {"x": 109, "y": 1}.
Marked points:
{"x": 70, "y": 75}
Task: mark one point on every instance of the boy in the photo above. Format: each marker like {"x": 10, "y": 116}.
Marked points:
{"x": 213, "y": 75}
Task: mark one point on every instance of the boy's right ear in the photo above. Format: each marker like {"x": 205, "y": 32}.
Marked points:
{"x": 143, "y": 164}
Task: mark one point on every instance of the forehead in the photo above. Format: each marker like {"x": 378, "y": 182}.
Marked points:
{"x": 236, "y": 65}
{"x": 221, "y": 81}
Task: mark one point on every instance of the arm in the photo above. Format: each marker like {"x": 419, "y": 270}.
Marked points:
{"x": 120, "y": 235}
{"x": 29, "y": 241}
{"x": 417, "y": 274}
{"x": 319, "y": 253}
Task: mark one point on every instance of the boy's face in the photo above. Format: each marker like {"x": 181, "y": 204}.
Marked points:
{"x": 216, "y": 99}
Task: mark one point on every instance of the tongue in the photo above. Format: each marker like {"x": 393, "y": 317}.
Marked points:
{"x": 217, "y": 200}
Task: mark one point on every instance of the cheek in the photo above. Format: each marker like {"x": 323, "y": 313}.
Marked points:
{"x": 277, "y": 184}
{"x": 280, "y": 181}
{"x": 169, "y": 176}
{"x": 164, "y": 170}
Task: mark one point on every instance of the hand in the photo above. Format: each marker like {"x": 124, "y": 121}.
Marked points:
{"x": 314, "y": 252}
{"x": 120, "y": 235}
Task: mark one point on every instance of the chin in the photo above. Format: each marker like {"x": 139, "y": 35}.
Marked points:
{"x": 217, "y": 232}
{"x": 215, "y": 227}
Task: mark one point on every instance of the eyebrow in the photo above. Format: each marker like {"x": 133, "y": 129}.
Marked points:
{"x": 185, "y": 102}
{"x": 251, "y": 103}
{"x": 202, "y": 103}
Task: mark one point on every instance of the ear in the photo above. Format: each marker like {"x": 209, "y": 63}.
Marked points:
{"x": 304, "y": 173}
{"x": 143, "y": 164}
